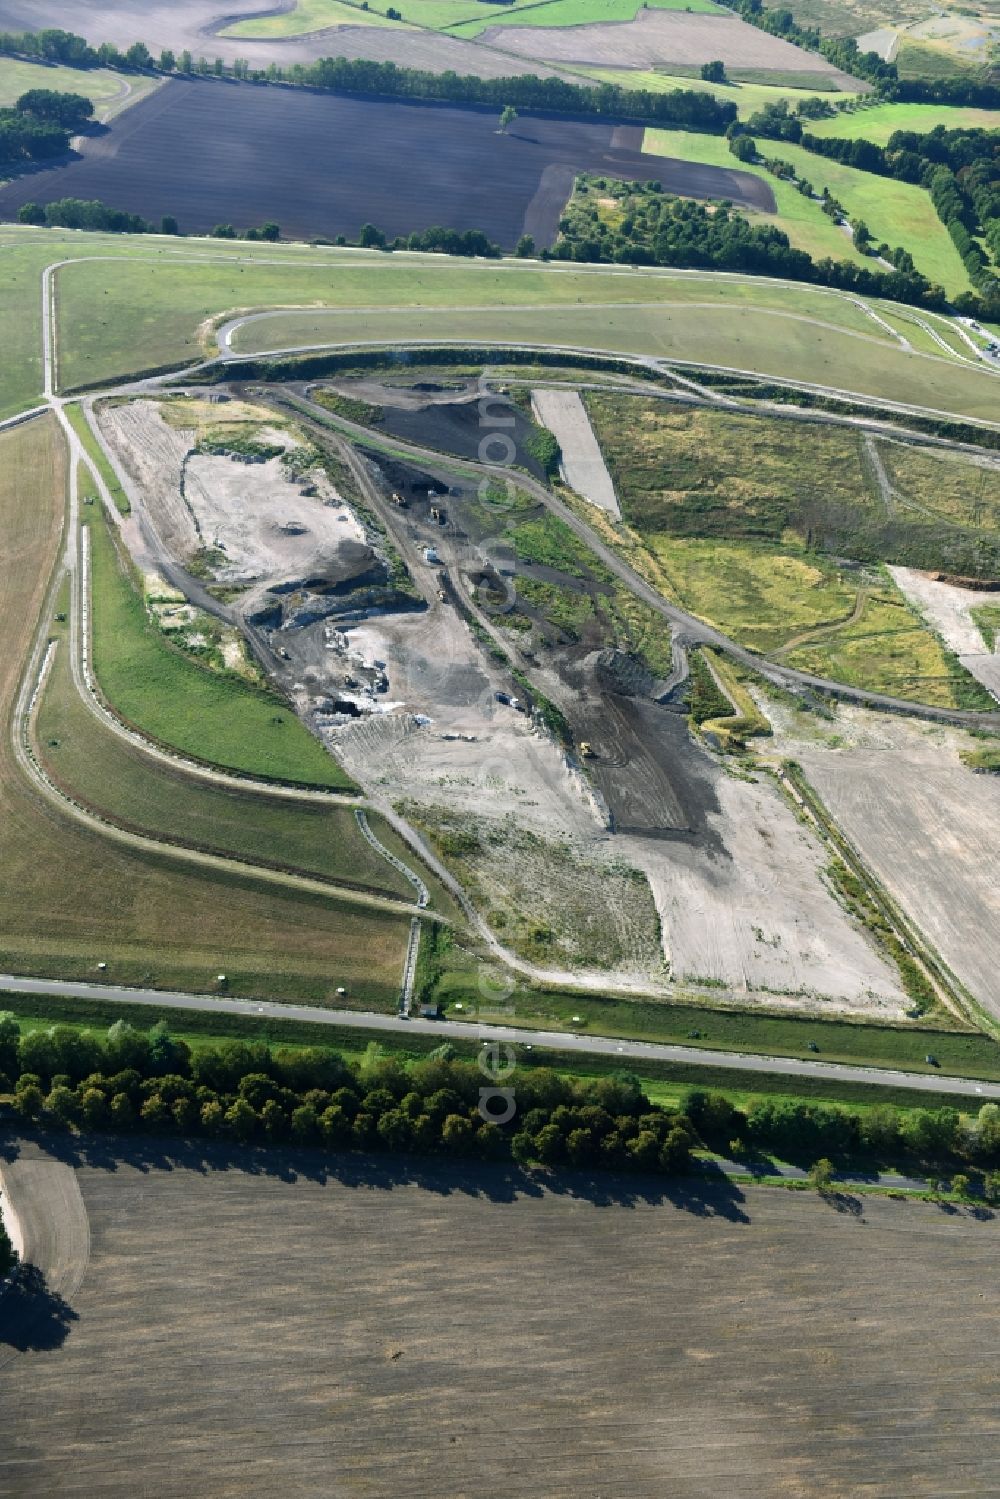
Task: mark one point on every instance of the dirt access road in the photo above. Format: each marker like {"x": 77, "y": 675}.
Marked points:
{"x": 692, "y": 630}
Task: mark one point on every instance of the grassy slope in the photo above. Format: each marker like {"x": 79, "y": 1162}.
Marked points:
{"x": 68, "y": 897}
{"x": 108, "y": 91}
{"x": 879, "y": 121}
{"x": 172, "y": 698}
{"x": 747, "y": 97}
{"x": 142, "y": 307}
{"x": 898, "y": 212}
{"x": 714, "y": 331}
{"x": 97, "y": 768}
{"x": 95, "y": 452}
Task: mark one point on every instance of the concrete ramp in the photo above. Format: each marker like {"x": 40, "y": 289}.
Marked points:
{"x": 583, "y": 465}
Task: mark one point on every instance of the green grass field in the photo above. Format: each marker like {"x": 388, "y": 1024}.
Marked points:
{"x": 458, "y": 17}
{"x": 572, "y": 13}
{"x": 311, "y": 15}
{"x": 97, "y": 768}
{"x": 143, "y": 306}
{"x": 199, "y": 712}
{"x": 801, "y": 218}
{"x": 109, "y": 92}
{"x": 897, "y": 212}
{"x": 878, "y": 121}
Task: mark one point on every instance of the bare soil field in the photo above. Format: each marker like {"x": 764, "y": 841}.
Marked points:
{"x": 949, "y": 607}
{"x": 657, "y": 38}
{"x": 926, "y": 825}
{"x": 287, "y": 1325}
{"x": 184, "y": 151}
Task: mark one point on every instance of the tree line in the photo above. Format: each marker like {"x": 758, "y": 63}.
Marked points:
{"x": 40, "y": 124}
{"x": 960, "y": 169}
{"x": 657, "y": 229}
{"x": 132, "y": 1080}
{"x": 805, "y": 1132}
{"x": 685, "y": 108}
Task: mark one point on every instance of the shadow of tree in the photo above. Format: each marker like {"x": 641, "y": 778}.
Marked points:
{"x": 706, "y": 1193}
{"x": 33, "y": 1317}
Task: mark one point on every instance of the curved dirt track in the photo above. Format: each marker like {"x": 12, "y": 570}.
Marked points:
{"x": 45, "y": 1198}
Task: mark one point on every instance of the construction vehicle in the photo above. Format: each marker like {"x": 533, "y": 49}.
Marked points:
{"x": 586, "y": 751}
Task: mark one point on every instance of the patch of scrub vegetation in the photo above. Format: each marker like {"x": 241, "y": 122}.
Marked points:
{"x": 216, "y": 645}
{"x": 986, "y": 618}
{"x": 364, "y": 413}
{"x": 215, "y": 717}
{"x": 96, "y": 454}
{"x": 720, "y": 705}
{"x": 985, "y": 758}
{"x": 596, "y": 913}
{"x": 733, "y": 475}
{"x": 854, "y": 894}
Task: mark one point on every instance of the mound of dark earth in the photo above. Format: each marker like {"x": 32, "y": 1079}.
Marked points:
{"x": 211, "y": 152}
{"x": 468, "y": 432}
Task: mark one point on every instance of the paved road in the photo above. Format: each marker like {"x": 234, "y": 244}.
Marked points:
{"x": 458, "y": 1030}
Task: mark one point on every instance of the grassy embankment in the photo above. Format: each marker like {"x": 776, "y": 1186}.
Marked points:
{"x": 154, "y": 309}
{"x": 217, "y": 718}
{"x": 118, "y": 781}
{"x": 98, "y": 457}
{"x": 70, "y": 898}
{"x": 143, "y": 308}
{"x": 897, "y": 212}
{"x": 746, "y": 519}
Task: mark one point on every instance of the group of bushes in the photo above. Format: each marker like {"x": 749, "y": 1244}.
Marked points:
{"x": 804, "y": 1132}
{"x": 40, "y": 125}
{"x": 656, "y": 229}
{"x": 131, "y": 1080}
